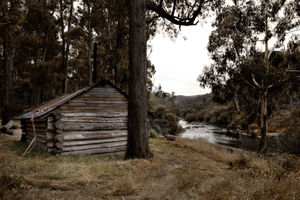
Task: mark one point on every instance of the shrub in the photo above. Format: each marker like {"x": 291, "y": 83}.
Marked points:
{"x": 290, "y": 140}
{"x": 153, "y": 133}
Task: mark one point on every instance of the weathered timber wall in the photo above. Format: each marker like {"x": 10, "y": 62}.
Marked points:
{"x": 40, "y": 131}
{"x": 92, "y": 123}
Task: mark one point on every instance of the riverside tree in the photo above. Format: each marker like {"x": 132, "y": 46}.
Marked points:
{"x": 183, "y": 13}
{"x": 243, "y": 33}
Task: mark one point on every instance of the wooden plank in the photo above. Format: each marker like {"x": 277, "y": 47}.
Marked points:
{"x": 38, "y": 139}
{"x": 97, "y": 114}
{"x": 95, "y": 110}
{"x": 59, "y": 138}
{"x": 37, "y": 130}
{"x": 50, "y": 124}
{"x": 51, "y": 149}
{"x": 59, "y": 145}
{"x": 50, "y": 144}
{"x": 104, "y": 90}
{"x": 94, "y": 146}
{"x": 44, "y": 125}
{"x": 92, "y": 95}
{"x": 49, "y": 136}
{"x": 94, "y": 107}
{"x": 39, "y": 135}
{"x": 89, "y": 104}
{"x": 89, "y": 126}
{"x": 37, "y": 120}
{"x": 103, "y": 102}
{"x": 88, "y": 135}
{"x": 94, "y": 141}
{"x": 50, "y": 119}
{"x": 101, "y": 99}
{"x": 97, "y": 151}
{"x": 93, "y": 119}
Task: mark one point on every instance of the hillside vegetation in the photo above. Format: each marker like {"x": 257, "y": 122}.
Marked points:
{"x": 183, "y": 169}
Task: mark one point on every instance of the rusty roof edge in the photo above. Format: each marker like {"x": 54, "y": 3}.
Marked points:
{"x": 40, "y": 111}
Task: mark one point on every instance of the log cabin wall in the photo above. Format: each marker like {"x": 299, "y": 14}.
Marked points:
{"x": 44, "y": 129}
{"x": 40, "y": 130}
{"x": 94, "y": 122}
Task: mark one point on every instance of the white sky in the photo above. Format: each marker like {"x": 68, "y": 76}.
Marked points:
{"x": 179, "y": 62}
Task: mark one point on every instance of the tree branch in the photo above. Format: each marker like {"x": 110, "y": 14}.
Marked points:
{"x": 254, "y": 81}
{"x": 2, "y": 24}
{"x": 188, "y": 21}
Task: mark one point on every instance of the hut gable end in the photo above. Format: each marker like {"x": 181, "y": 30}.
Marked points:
{"x": 94, "y": 121}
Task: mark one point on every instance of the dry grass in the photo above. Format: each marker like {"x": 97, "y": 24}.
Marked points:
{"x": 183, "y": 169}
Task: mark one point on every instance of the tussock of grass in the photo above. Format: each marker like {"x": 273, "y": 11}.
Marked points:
{"x": 183, "y": 169}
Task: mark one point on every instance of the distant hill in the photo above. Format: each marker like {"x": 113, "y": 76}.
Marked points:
{"x": 187, "y": 100}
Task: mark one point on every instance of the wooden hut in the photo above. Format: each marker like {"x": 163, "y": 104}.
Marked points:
{"x": 93, "y": 120}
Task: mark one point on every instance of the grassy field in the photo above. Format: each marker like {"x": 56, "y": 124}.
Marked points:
{"x": 183, "y": 169}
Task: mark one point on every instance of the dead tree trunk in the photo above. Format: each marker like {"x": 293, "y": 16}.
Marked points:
{"x": 138, "y": 146}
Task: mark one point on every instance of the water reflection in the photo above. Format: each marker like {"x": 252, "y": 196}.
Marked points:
{"x": 217, "y": 135}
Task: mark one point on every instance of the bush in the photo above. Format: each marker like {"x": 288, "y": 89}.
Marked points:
{"x": 153, "y": 133}
{"x": 290, "y": 140}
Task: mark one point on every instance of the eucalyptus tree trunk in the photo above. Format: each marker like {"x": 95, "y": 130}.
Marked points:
{"x": 63, "y": 48}
{"x": 68, "y": 48}
{"x": 138, "y": 146}
{"x": 89, "y": 47}
{"x": 264, "y": 94}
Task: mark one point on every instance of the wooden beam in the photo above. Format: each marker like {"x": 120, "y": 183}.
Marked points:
{"x": 88, "y": 135}
{"x": 94, "y": 146}
{"x": 98, "y": 114}
{"x": 94, "y": 141}
{"x": 71, "y": 126}
{"x": 97, "y": 151}
{"x": 94, "y": 120}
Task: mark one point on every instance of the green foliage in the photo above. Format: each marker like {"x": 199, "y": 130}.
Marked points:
{"x": 50, "y": 40}
{"x": 238, "y": 73}
{"x": 162, "y": 113}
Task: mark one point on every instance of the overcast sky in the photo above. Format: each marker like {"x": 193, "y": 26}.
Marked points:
{"x": 179, "y": 62}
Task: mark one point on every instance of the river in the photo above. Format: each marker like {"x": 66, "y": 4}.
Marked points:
{"x": 217, "y": 135}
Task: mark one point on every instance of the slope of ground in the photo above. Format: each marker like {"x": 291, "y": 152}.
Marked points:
{"x": 183, "y": 169}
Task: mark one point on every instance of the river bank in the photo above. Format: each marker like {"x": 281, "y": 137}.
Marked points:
{"x": 221, "y": 135}
{"x": 181, "y": 169}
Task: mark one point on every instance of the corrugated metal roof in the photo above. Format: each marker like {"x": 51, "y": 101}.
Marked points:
{"x": 52, "y": 104}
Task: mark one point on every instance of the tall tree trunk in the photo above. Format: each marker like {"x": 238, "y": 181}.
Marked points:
{"x": 95, "y": 75}
{"x": 138, "y": 146}
{"x": 8, "y": 55}
{"x": 63, "y": 49}
{"x": 264, "y": 93}
{"x": 89, "y": 44}
{"x": 68, "y": 48}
